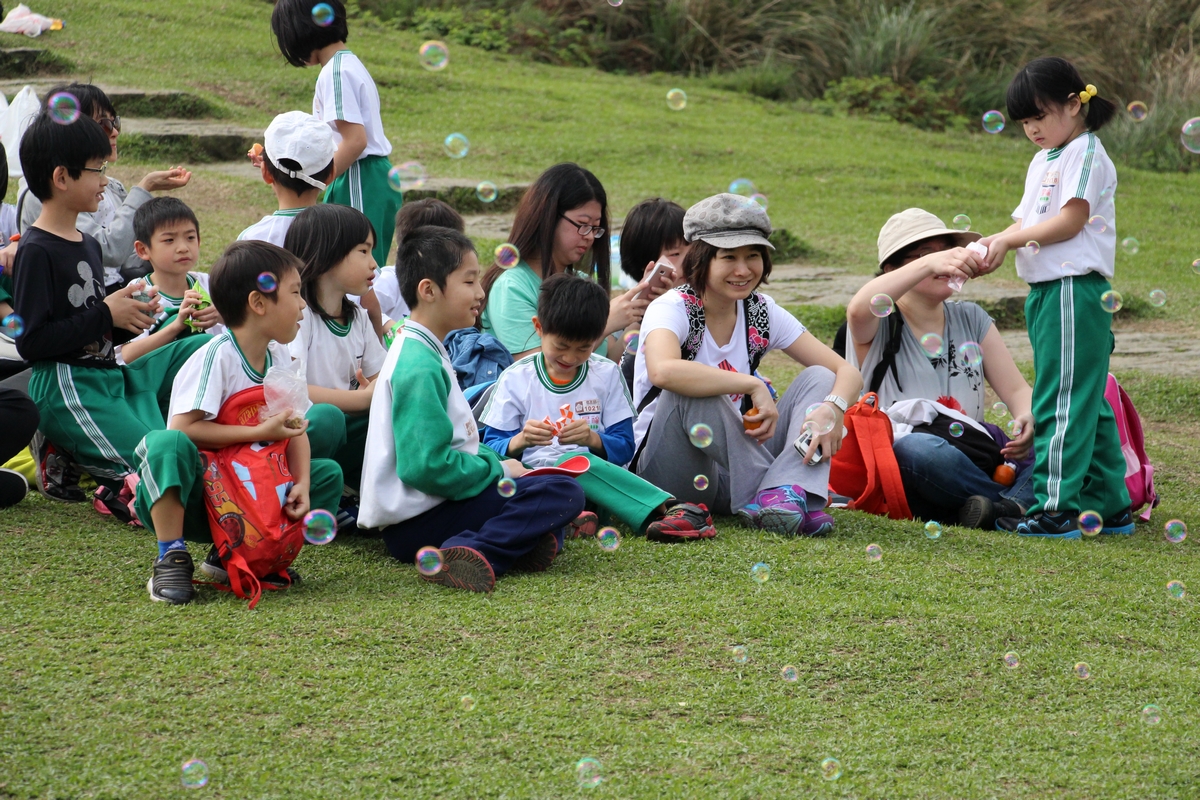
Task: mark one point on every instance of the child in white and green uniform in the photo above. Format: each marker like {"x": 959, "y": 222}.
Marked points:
{"x": 1065, "y": 238}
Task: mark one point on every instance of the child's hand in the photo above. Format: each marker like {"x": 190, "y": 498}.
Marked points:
{"x": 366, "y": 388}
{"x": 536, "y": 433}
{"x": 514, "y": 468}
{"x": 957, "y": 262}
{"x": 578, "y": 431}
{"x": 166, "y": 180}
{"x": 7, "y": 256}
{"x": 997, "y": 250}
{"x": 129, "y": 314}
{"x": 255, "y": 154}
{"x": 282, "y": 426}
{"x": 1018, "y": 447}
{"x": 205, "y": 318}
{"x": 297, "y": 504}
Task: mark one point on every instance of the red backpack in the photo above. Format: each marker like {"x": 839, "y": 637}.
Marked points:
{"x": 865, "y": 468}
{"x": 245, "y": 488}
{"x": 1139, "y": 474}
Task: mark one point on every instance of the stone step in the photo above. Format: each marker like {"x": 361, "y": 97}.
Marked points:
{"x": 16, "y": 62}
{"x": 184, "y": 141}
{"x": 128, "y": 102}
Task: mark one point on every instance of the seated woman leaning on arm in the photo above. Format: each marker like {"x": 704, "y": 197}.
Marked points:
{"x": 918, "y": 257}
{"x": 707, "y": 429}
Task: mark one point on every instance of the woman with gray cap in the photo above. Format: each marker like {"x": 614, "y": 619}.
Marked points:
{"x": 708, "y": 430}
{"x": 910, "y": 343}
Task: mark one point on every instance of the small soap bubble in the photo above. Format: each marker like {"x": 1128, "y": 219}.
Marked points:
{"x": 700, "y": 482}
{"x": 1111, "y": 301}
{"x": 760, "y": 573}
{"x": 1082, "y": 671}
{"x": 701, "y": 435}
{"x": 1191, "y": 135}
{"x": 587, "y": 772}
{"x": 409, "y": 175}
{"x": 882, "y": 305}
{"x": 1130, "y": 245}
{"x": 740, "y": 656}
{"x": 429, "y": 561}
{"x": 789, "y": 674}
{"x": 486, "y": 192}
{"x": 1012, "y": 428}
{"x": 456, "y": 145}
{"x": 507, "y": 487}
{"x": 1158, "y": 298}
{"x": 320, "y": 527}
{"x": 63, "y": 108}
{"x": 1196, "y": 266}
{"x": 932, "y": 344}
{"x": 1137, "y": 110}
{"x": 1151, "y": 714}
{"x": 1176, "y": 589}
{"x": 819, "y": 418}
{"x": 1175, "y": 531}
{"x": 434, "y": 55}
{"x": 1012, "y": 660}
{"x": 467, "y": 702}
{"x": 631, "y": 341}
{"x": 993, "y": 121}
{"x": 609, "y": 539}
{"x": 742, "y": 186}
{"x": 831, "y": 769}
{"x": 961, "y": 222}
{"x": 267, "y": 282}
{"x": 1033, "y": 247}
{"x": 1097, "y": 224}
{"x": 1090, "y": 523}
{"x": 933, "y": 530}
{"x": 971, "y": 354}
{"x": 507, "y": 255}
{"x": 13, "y": 325}
{"x": 195, "y": 774}
{"x": 322, "y": 14}
{"x": 1000, "y": 409}
{"x": 956, "y": 429}
{"x": 874, "y": 552}
{"x": 615, "y": 3}
{"x": 760, "y": 199}
{"x": 1068, "y": 267}
{"x": 677, "y": 99}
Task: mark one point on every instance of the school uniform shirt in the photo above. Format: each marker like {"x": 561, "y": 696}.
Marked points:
{"x": 668, "y": 312}
{"x": 1080, "y": 169}
{"x": 387, "y": 291}
{"x": 422, "y": 441}
{"x": 597, "y": 394}
{"x": 271, "y": 228}
{"x": 346, "y": 91}
{"x": 216, "y": 372}
{"x": 331, "y": 352}
{"x": 168, "y": 309}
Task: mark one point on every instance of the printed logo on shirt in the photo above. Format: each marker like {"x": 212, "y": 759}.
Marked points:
{"x": 470, "y": 428}
{"x": 725, "y": 365}
{"x": 1049, "y": 184}
{"x": 587, "y": 406}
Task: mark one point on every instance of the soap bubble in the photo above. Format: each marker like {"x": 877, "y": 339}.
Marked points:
{"x": 956, "y": 429}
{"x": 700, "y": 482}
{"x": 1082, "y": 671}
{"x": 933, "y": 530}
{"x": 1158, "y": 298}
{"x": 609, "y": 539}
{"x": 993, "y": 121}
{"x": 13, "y": 325}
{"x": 759, "y": 198}
{"x": 1130, "y": 245}
{"x": 195, "y": 774}
{"x": 1012, "y": 660}
{"x": 1068, "y": 267}
{"x": 631, "y": 341}
{"x": 507, "y": 487}
{"x": 1137, "y": 110}
{"x": 874, "y": 552}
{"x": 587, "y": 772}
{"x": 820, "y": 418}
{"x": 882, "y": 305}
{"x": 1097, "y": 224}
{"x": 740, "y": 656}
{"x": 1191, "y": 135}
{"x": 932, "y": 344}
{"x": 615, "y": 3}
{"x": 434, "y": 55}
{"x": 467, "y": 702}
{"x": 320, "y": 527}
{"x": 429, "y": 561}
{"x": 507, "y": 255}
{"x": 1000, "y": 409}
{"x": 1151, "y": 714}
{"x": 1012, "y": 428}
{"x": 322, "y": 14}
{"x": 961, "y": 222}
{"x": 971, "y": 353}
{"x": 789, "y": 674}
{"x": 409, "y": 175}
{"x": 742, "y": 186}
{"x": 677, "y": 99}
{"x": 456, "y": 145}
{"x": 831, "y": 769}
{"x": 760, "y": 573}
{"x": 1196, "y": 266}
{"x": 701, "y": 435}
{"x": 1111, "y": 301}
{"x": 1033, "y": 247}
{"x": 486, "y": 192}
{"x": 1175, "y": 531}
{"x": 1090, "y": 523}
{"x": 267, "y": 282}
{"x": 1176, "y": 589}
{"x": 64, "y": 109}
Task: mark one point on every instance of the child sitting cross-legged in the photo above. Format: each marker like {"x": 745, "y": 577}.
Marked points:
{"x": 564, "y": 401}
{"x": 428, "y": 482}
{"x": 263, "y": 315}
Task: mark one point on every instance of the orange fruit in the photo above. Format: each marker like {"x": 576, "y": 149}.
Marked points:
{"x": 753, "y": 426}
{"x": 1005, "y": 475}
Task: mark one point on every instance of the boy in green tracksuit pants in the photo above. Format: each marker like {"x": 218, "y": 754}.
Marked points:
{"x": 565, "y": 401}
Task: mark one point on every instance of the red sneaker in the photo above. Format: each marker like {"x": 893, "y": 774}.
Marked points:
{"x": 540, "y": 557}
{"x": 683, "y": 521}
{"x": 586, "y": 524}
{"x": 464, "y": 568}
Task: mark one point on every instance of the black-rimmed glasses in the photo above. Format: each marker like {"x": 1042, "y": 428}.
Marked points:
{"x": 100, "y": 170}
{"x": 584, "y": 230}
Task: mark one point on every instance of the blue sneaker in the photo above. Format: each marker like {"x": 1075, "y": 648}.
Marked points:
{"x": 1120, "y": 523}
{"x": 1043, "y": 525}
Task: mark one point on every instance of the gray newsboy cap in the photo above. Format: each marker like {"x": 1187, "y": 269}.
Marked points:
{"x": 728, "y": 221}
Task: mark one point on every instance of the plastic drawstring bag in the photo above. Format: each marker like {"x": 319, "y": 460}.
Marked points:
{"x": 22, "y": 20}
{"x": 284, "y": 387}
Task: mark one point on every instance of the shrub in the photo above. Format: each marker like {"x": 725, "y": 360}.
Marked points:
{"x": 921, "y": 104}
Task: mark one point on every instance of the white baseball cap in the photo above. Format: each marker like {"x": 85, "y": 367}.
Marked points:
{"x": 302, "y": 138}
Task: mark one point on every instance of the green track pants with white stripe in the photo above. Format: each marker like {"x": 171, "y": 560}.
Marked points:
{"x": 365, "y": 186}
{"x": 1079, "y": 466}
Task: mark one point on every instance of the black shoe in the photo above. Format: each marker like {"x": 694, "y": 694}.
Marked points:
{"x": 13, "y": 487}
{"x": 540, "y": 557}
{"x": 57, "y": 473}
{"x": 214, "y": 568}
{"x": 171, "y": 581}
{"x": 1120, "y": 523}
{"x": 981, "y": 513}
{"x": 1043, "y": 525}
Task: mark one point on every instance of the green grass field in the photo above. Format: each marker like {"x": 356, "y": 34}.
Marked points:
{"x": 351, "y": 684}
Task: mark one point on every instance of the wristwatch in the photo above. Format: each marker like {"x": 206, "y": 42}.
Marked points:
{"x": 837, "y": 401}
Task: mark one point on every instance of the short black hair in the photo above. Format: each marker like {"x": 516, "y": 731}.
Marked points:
{"x": 430, "y": 253}
{"x": 321, "y": 236}
{"x": 699, "y": 259}
{"x": 650, "y": 227}
{"x": 1052, "y": 81}
{"x": 91, "y": 98}
{"x": 296, "y": 185}
{"x": 236, "y": 273}
{"x": 573, "y": 307}
{"x": 48, "y": 145}
{"x": 298, "y": 34}
{"x": 159, "y": 212}
{"x": 427, "y": 211}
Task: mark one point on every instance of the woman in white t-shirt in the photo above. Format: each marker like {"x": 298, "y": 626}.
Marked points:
{"x": 708, "y": 430}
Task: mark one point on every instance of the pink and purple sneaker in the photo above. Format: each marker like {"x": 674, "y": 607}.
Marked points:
{"x": 784, "y": 510}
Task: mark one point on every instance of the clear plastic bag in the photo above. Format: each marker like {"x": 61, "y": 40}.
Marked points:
{"x": 284, "y": 387}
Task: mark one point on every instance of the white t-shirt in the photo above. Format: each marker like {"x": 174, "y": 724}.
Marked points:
{"x": 387, "y": 291}
{"x": 216, "y": 372}
{"x": 525, "y": 392}
{"x": 345, "y": 91}
{"x": 271, "y": 228}
{"x": 667, "y": 311}
{"x": 331, "y": 352}
{"x": 1080, "y": 169}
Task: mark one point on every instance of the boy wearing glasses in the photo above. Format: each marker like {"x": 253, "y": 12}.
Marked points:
{"x": 91, "y": 408}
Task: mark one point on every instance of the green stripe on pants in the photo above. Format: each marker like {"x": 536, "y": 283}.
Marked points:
{"x": 619, "y": 492}
{"x": 365, "y": 186}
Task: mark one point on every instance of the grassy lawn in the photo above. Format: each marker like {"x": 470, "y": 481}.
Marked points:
{"x": 350, "y": 685}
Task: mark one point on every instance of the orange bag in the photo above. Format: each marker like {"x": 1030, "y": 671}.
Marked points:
{"x": 865, "y": 468}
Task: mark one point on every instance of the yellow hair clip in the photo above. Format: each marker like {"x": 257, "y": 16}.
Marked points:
{"x": 1087, "y": 94}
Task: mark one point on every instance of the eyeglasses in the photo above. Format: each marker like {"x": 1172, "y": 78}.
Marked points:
{"x": 584, "y": 230}
{"x": 101, "y": 170}
{"x": 110, "y": 124}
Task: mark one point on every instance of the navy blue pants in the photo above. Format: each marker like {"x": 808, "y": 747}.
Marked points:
{"x": 502, "y": 528}
{"x": 938, "y": 478}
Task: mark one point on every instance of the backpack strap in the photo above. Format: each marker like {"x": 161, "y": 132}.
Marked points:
{"x": 758, "y": 329}
{"x": 888, "y": 361}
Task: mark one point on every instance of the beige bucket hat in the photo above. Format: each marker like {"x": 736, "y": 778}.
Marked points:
{"x": 913, "y": 225}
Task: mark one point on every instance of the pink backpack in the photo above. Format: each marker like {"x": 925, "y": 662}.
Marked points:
{"x": 1139, "y": 473}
